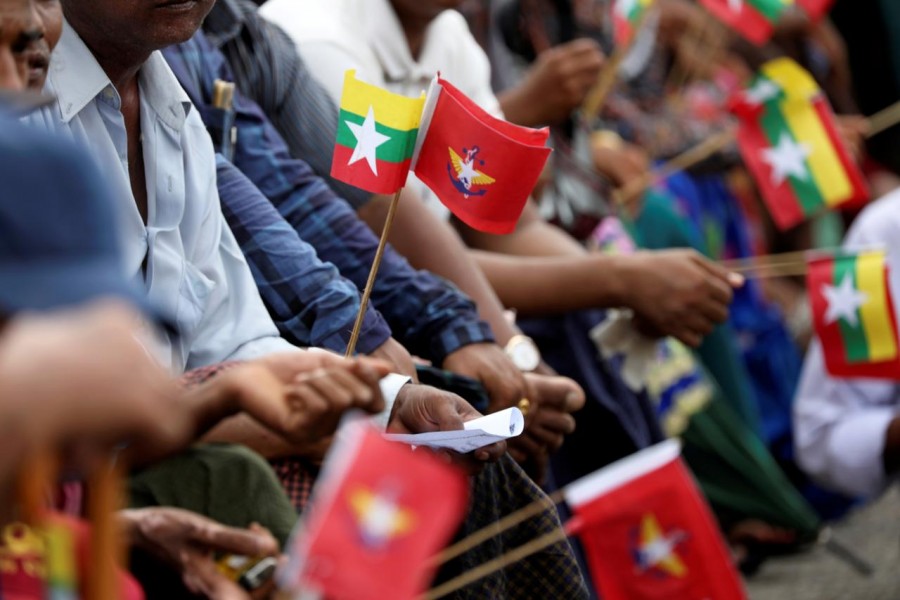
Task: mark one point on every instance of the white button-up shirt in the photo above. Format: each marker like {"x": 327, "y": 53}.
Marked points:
{"x": 840, "y": 424}
{"x": 194, "y": 268}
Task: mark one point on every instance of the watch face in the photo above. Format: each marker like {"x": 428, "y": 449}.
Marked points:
{"x": 525, "y": 355}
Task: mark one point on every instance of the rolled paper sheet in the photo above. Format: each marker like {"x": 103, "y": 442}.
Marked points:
{"x": 476, "y": 434}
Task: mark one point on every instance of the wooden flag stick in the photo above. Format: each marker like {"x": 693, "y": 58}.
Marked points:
{"x": 364, "y": 302}
{"x": 884, "y": 119}
{"x": 34, "y": 482}
{"x": 496, "y": 564}
{"x": 107, "y": 550}
{"x": 507, "y": 522}
{"x": 606, "y": 80}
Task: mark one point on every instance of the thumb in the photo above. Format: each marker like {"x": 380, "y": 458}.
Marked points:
{"x": 446, "y": 414}
{"x": 202, "y": 577}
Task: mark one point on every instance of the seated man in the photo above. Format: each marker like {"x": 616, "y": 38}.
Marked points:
{"x": 847, "y": 431}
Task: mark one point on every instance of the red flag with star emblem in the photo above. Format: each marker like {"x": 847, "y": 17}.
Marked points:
{"x": 647, "y": 532}
{"x": 379, "y": 513}
{"x": 480, "y": 167}
{"x": 853, "y": 312}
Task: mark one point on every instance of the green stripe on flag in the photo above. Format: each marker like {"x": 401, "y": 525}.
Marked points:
{"x": 770, "y": 9}
{"x": 805, "y": 190}
{"x": 399, "y": 148}
{"x": 856, "y": 346}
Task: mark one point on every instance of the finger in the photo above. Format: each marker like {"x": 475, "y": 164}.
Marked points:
{"x": 688, "y": 337}
{"x": 527, "y": 445}
{"x": 360, "y": 394}
{"x": 446, "y": 414}
{"x": 338, "y": 398}
{"x": 202, "y": 577}
{"x": 245, "y": 542}
{"x": 555, "y": 422}
{"x": 714, "y": 312}
{"x": 379, "y": 368}
{"x": 551, "y": 440}
{"x": 491, "y": 453}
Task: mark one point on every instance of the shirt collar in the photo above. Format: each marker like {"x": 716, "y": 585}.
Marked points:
{"x": 77, "y": 79}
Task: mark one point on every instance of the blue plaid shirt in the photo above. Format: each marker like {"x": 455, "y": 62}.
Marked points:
{"x": 430, "y": 316}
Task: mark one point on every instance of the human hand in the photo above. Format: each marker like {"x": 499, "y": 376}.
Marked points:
{"x": 558, "y": 398}
{"x": 308, "y": 407}
{"x": 422, "y": 409}
{"x": 489, "y": 364}
{"x": 852, "y": 130}
{"x": 555, "y": 85}
{"x": 86, "y": 377}
{"x": 677, "y": 293}
{"x": 623, "y": 164}
{"x": 394, "y": 353}
{"x": 186, "y": 541}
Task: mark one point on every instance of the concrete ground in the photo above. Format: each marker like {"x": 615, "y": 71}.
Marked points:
{"x": 873, "y": 532}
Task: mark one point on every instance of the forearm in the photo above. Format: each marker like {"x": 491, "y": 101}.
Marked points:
{"x": 552, "y": 285}
{"x": 244, "y": 430}
{"x": 431, "y": 244}
{"x": 533, "y": 237}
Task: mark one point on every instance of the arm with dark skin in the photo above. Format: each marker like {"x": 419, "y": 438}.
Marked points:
{"x": 891, "y": 453}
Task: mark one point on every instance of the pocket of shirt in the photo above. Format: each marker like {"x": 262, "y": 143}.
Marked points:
{"x": 193, "y": 298}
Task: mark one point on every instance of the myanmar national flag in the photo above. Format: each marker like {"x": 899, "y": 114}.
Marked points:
{"x": 853, "y": 311}
{"x": 753, "y": 19}
{"x": 480, "y": 167}
{"x": 789, "y": 141}
{"x": 376, "y": 136}
{"x": 626, "y": 14}
{"x": 648, "y": 534}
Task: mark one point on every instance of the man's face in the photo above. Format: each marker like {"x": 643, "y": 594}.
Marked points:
{"x": 20, "y": 30}
{"x": 144, "y": 24}
{"x": 38, "y": 53}
{"x": 423, "y": 10}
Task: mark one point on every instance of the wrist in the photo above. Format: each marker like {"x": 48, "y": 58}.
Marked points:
{"x": 612, "y": 276}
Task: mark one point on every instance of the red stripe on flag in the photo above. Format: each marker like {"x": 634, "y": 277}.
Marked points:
{"x": 748, "y": 21}
{"x": 391, "y": 176}
{"x": 816, "y": 9}
{"x": 857, "y": 181}
{"x": 781, "y": 200}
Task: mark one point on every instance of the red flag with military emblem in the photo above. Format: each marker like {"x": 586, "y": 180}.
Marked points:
{"x": 379, "y": 513}
{"x": 482, "y": 168}
{"x": 647, "y": 532}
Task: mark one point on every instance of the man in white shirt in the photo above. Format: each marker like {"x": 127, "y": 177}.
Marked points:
{"x": 847, "y": 431}
{"x": 117, "y": 96}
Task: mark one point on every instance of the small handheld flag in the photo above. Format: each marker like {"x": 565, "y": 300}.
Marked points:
{"x": 482, "y": 168}
{"x": 791, "y": 146}
{"x": 626, "y": 14}
{"x": 815, "y": 9}
{"x": 647, "y": 532}
{"x": 853, "y": 312}
{"x": 753, "y": 19}
{"x": 379, "y": 514}
{"x": 376, "y": 136}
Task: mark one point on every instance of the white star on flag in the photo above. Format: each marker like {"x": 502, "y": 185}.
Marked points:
{"x": 762, "y": 91}
{"x": 787, "y": 158}
{"x": 843, "y": 301}
{"x": 367, "y": 141}
{"x": 736, "y": 5}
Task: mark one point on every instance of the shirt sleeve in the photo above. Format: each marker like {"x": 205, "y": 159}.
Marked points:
{"x": 840, "y": 427}
{"x": 310, "y": 302}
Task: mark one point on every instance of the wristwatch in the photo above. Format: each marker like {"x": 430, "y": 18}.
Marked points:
{"x": 523, "y": 352}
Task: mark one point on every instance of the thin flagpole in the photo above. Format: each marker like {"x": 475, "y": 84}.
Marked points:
{"x": 364, "y": 302}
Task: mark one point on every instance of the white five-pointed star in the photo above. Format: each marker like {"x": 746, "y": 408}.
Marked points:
{"x": 843, "y": 301}
{"x": 736, "y": 5}
{"x": 787, "y": 158}
{"x": 762, "y": 91}
{"x": 367, "y": 141}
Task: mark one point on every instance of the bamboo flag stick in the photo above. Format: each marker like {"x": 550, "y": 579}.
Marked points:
{"x": 496, "y": 564}
{"x": 34, "y": 481}
{"x": 507, "y": 522}
{"x": 884, "y": 119}
{"x": 373, "y": 273}
{"x": 596, "y": 96}
{"x": 107, "y": 550}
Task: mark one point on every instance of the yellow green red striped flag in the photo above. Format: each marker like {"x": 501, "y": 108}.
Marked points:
{"x": 853, "y": 312}
{"x": 376, "y": 136}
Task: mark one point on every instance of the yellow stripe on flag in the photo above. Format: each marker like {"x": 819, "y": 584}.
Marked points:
{"x": 391, "y": 110}
{"x": 876, "y": 319}
{"x": 794, "y": 80}
{"x": 825, "y": 165}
